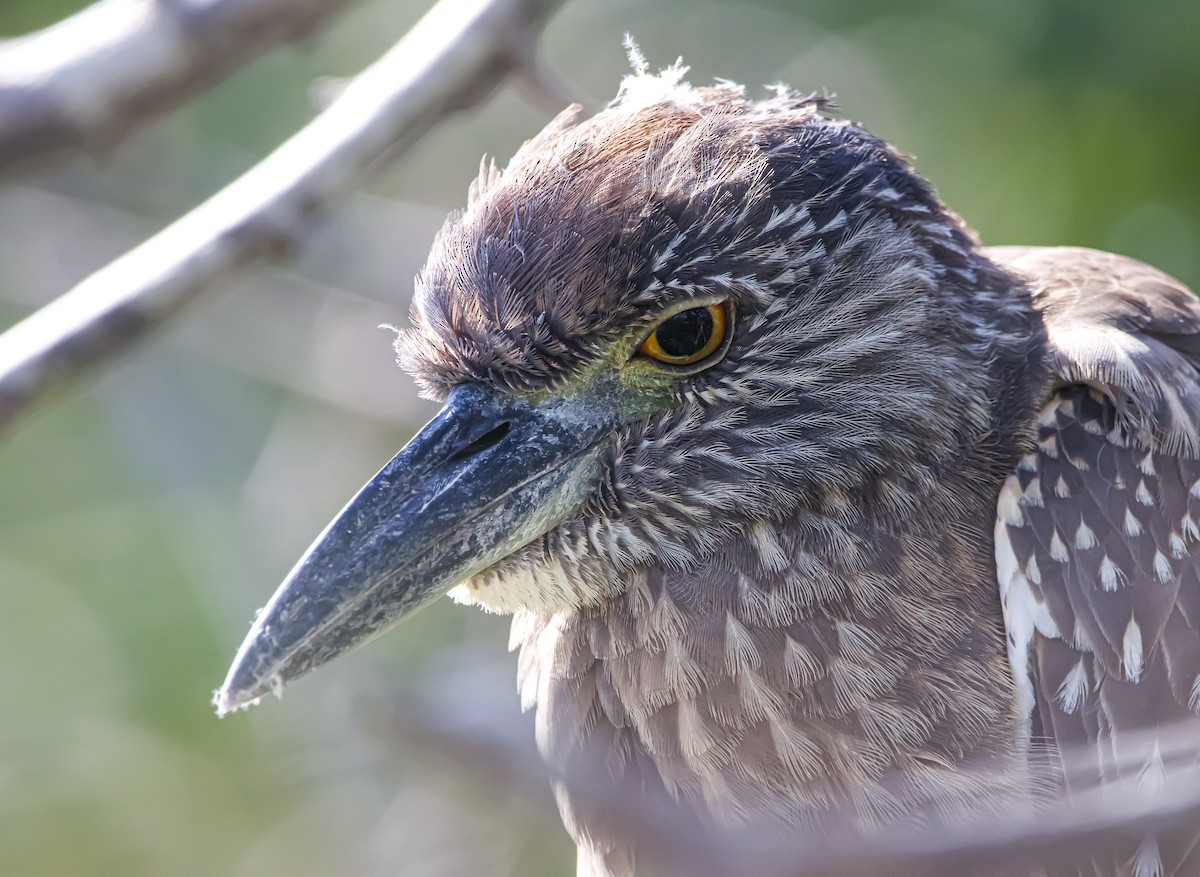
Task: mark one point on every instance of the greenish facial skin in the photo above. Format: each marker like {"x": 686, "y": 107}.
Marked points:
{"x": 490, "y": 473}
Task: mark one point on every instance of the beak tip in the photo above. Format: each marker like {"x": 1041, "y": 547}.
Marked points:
{"x": 243, "y": 687}
{"x": 231, "y": 698}
{"x": 229, "y": 701}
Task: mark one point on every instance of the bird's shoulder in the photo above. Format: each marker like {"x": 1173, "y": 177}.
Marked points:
{"x": 1098, "y": 531}
{"x": 1122, "y": 327}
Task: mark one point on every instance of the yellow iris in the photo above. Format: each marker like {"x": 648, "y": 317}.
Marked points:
{"x": 689, "y": 336}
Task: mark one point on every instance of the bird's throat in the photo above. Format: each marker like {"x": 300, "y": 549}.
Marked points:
{"x": 837, "y": 670}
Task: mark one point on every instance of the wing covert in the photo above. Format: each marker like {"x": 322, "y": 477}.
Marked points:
{"x": 1098, "y": 531}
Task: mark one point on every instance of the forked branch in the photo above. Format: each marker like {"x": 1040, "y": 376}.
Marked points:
{"x": 454, "y": 57}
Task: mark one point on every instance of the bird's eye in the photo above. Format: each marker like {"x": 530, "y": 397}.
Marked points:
{"x": 688, "y": 337}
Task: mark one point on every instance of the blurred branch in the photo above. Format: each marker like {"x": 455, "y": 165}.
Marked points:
{"x": 452, "y": 719}
{"x": 453, "y": 58}
{"x": 86, "y": 83}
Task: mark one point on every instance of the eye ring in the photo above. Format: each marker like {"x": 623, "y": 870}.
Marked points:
{"x": 689, "y": 336}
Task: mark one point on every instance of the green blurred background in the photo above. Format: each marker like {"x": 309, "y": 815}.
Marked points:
{"x": 144, "y": 519}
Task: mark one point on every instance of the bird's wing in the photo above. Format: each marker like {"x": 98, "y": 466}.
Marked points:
{"x": 1098, "y": 533}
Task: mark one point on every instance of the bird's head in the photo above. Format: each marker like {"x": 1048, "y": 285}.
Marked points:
{"x": 657, "y": 330}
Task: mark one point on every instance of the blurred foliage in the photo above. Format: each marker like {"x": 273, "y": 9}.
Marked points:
{"x": 143, "y": 519}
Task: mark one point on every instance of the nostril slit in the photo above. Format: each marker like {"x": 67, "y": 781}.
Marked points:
{"x": 481, "y": 444}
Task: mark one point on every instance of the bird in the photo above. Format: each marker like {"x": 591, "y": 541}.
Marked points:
{"x": 810, "y": 510}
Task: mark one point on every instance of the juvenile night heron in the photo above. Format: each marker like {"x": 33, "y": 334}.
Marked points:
{"x": 802, "y": 501}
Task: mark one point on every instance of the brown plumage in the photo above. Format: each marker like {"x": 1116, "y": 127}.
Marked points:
{"x": 929, "y": 520}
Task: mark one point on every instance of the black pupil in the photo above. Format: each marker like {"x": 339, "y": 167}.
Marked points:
{"x": 686, "y": 332}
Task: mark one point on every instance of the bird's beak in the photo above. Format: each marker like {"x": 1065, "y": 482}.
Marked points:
{"x": 486, "y": 476}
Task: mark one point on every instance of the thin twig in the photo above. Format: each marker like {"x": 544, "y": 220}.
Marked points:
{"x": 1110, "y": 819}
{"x": 454, "y": 57}
{"x": 86, "y": 83}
